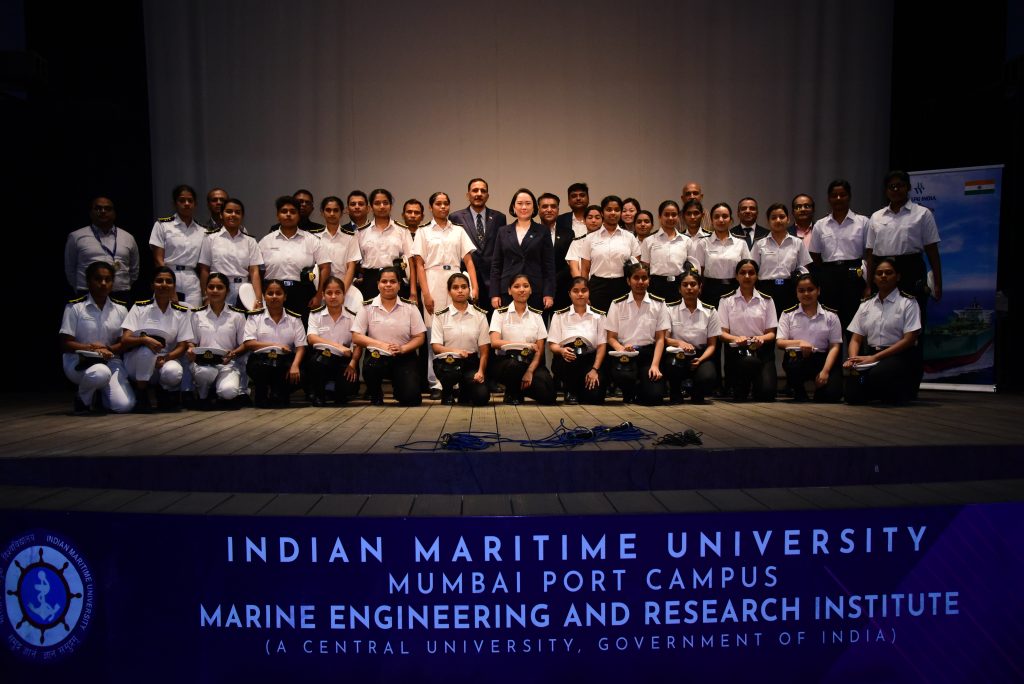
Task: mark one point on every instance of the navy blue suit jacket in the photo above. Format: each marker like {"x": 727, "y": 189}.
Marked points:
{"x": 535, "y": 258}
{"x": 755, "y": 235}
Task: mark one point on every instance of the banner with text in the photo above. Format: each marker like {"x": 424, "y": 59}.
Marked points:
{"x": 914, "y": 594}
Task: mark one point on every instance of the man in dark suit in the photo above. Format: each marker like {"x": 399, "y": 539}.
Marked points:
{"x": 482, "y": 226}
{"x": 579, "y": 198}
{"x": 747, "y": 229}
{"x": 561, "y": 237}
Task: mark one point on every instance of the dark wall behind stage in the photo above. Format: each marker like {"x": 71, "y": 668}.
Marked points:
{"x": 636, "y": 101}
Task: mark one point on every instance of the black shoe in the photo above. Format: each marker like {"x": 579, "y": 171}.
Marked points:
{"x": 492, "y": 387}
{"x": 435, "y": 394}
{"x": 448, "y": 397}
{"x": 512, "y": 400}
{"x": 800, "y": 396}
{"x": 676, "y": 398}
{"x": 571, "y": 399}
{"x": 79, "y": 408}
{"x": 315, "y": 400}
{"x": 376, "y": 400}
{"x": 699, "y": 400}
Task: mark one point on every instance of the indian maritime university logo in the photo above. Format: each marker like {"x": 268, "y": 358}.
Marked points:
{"x": 48, "y": 596}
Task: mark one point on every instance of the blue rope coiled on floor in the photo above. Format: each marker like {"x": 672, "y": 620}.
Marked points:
{"x": 567, "y": 438}
{"x": 457, "y": 441}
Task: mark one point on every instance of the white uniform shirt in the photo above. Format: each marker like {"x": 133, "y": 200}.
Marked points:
{"x": 87, "y": 245}
{"x": 397, "y": 326}
{"x": 512, "y": 327}
{"x": 905, "y": 232}
{"x": 666, "y": 256}
{"x": 695, "y": 327}
{"x": 89, "y": 324}
{"x": 840, "y": 241}
{"x": 465, "y": 330}
{"x": 821, "y": 330}
{"x": 566, "y": 323}
{"x": 285, "y": 257}
{"x": 225, "y": 331}
{"x": 718, "y": 258}
{"x": 579, "y": 227}
{"x": 380, "y": 248}
{"x": 232, "y": 256}
{"x": 608, "y": 253}
{"x": 339, "y": 249}
{"x": 174, "y": 324}
{"x": 777, "y": 261}
{"x": 181, "y": 242}
{"x": 883, "y": 322}
{"x": 746, "y": 319}
{"x": 573, "y": 253}
{"x": 338, "y": 331}
{"x": 635, "y": 325}
{"x": 262, "y": 328}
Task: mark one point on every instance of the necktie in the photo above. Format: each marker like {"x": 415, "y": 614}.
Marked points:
{"x": 480, "y": 228}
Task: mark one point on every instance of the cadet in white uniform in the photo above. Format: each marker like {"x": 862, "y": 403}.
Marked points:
{"x": 395, "y": 326}
{"x": 220, "y": 326}
{"x": 694, "y": 328}
{"x": 228, "y": 250}
{"x": 290, "y": 255}
{"x": 522, "y": 371}
{"x": 838, "y": 243}
{"x": 272, "y": 373}
{"x": 331, "y": 324}
{"x": 605, "y": 253}
{"x": 339, "y": 244}
{"x": 716, "y": 256}
{"x": 749, "y": 322}
{"x": 593, "y": 222}
{"x": 439, "y": 248}
{"x": 176, "y": 242}
{"x": 885, "y": 330}
{"x": 155, "y": 338}
{"x": 579, "y": 363}
{"x": 780, "y": 257}
{"x": 638, "y": 321}
{"x": 461, "y": 329}
{"x": 816, "y": 330}
{"x": 92, "y": 323}
{"x": 382, "y": 243}
{"x": 665, "y": 253}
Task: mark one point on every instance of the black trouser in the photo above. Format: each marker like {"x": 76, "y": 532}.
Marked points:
{"x": 746, "y": 370}
{"x": 666, "y": 289}
{"x": 402, "y": 369}
{"x": 470, "y": 392}
{"x": 604, "y": 290}
{"x": 320, "y": 373}
{"x": 270, "y": 382}
{"x": 573, "y": 375}
{"x": 842, "y": 286}
{"x": 711, "y": 293}
{"x": 297, "y": 296}
{"x": 801, "y": 369}
{"x": 632, "y": 375}
{"x": 509, "y": 371}
{"x": 893, "y": 379}
{"x": 368, "y": 284}
{"x": 680, "y": 372}
{"x": 781, "y": 290}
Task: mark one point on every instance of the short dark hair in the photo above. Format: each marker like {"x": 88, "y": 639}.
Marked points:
{"x": 381, "y": 191}
{"x": 839, "y": 183}
{"x": 453, "y": 277}
{"x": 609, "y": 199}
{"x": 512, "y": 203}
{"x": 747, "y": 199}
{"x": 234, "y": 200}
{"x": 478, "y": 180}
{"x": 221, "y": 277}
{"x": 178, "y": 189}
{"x": 91, "y": 269}
{"x": 798, "y": 196}
{"x": 549, "y": 195}
{"x": 807, "y": 276}
{"x": 725, "y": 205}
{"x": 285, "y": 200}
{"x": 669, "y": 203}
{"x": 357, "y": 193}
{"x": 774, "y": 207}
{"x": 165, "y": 269}
{"x": 334, "y": 279}
{"x": 303, "y": 191}
{"x": 897, "y": 173}
{"x": 576, "y": 187}
{"x": 696, "y": 203}
{"x": 413, "y": 201}
{"x": 330, "y": 198}
{"x": 432, "y": 198}
{"x": 743, "y": 262}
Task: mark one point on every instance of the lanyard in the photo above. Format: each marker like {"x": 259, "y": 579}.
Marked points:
{"x": 110, "y": 252}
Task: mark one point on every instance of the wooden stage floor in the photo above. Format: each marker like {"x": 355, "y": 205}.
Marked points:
{"x": 946, "y": 448}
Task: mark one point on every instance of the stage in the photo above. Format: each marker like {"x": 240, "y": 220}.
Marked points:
{"x": 345, "y": 461}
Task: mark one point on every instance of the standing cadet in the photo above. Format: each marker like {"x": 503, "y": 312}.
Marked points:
{"x": 176, "y": 241}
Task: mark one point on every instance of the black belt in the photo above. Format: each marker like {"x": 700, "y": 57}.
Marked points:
{"x": 666, "y": 278}
{"x": 237, "y": 279}
{"x": 847, "y": 263}
{"x": 776, "y": 281}
{"x": 593, "y": 278}
{"x": 178, "y": 267}
{"x": 720, "y": 281}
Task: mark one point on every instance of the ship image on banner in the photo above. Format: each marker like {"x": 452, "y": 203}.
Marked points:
{"x": 958, "y": 340}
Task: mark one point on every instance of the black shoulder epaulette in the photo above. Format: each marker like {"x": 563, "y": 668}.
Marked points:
{"x": 402, "y": 225}
{"x": 562, "y": 311}
{"x": 580, "y": 237}
{"x": 165, "y": 219}
{"x": 77, "y": 300}
{"x": 212, "y": 231}
{"x": 502, "y": 309}
{"x": 622, "y": 298}
{"x": 481, "y": 309}
{"x": 143, "y": 302}
{"x": 536, "y": 311}
{"x": 603, "y": 313}
{"x": 180, "y": 307}
{"x": 316, "y": 231}
{"x": 763, "y": 294}
{"x": 730, "y": 293}
{"x": 118, "y": 301}
{"x": 351, "y": 311}
{"x": 407, "y": 301}
{"x": 204, "y": 307}
{"x": 444, "y": 310}
{"x": 346, "y": 231}
{"x": 367, "y": 302}
{"x": 906, "y": 294}
{"x": 705, "y": 304}
{"x": 292, "y": 313}
{"x": 318, "y": 309}
{"x": 254, "y": 312}
{"x": 792, "y": 308}
{"x": 368, "y": 224}
{"x": 675, "y": 303}
{"x": 655, "y": 297}
{"x": 238, "y": 309}
{"x": 829, "y": 308}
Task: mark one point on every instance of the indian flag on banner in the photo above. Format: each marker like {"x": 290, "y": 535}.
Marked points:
{"x": 979, "y": 187}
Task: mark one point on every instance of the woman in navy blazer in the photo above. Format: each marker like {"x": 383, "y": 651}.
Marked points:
{"x": 523, "y": 246}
